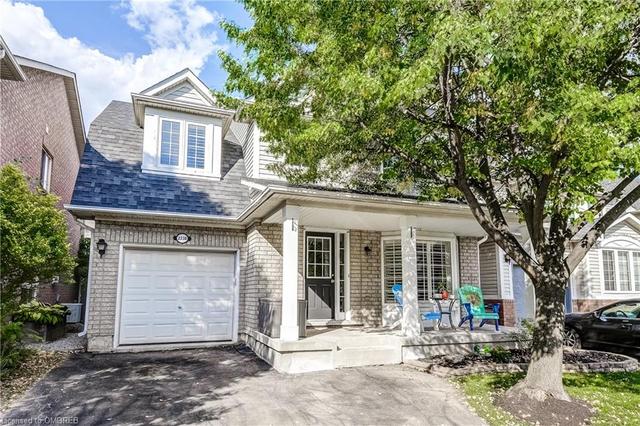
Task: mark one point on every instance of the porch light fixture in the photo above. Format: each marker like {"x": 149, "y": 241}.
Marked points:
{"x": 367, "y": 250}
{"x": 102, "y": 246}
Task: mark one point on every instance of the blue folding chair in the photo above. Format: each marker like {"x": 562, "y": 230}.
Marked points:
{"x": 430, "y": 315}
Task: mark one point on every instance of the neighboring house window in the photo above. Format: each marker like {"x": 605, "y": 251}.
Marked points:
{"x": 195, "y": 146}
{"x": 170, "y": 143}
{"x": 45, "y": 170}
{"x": 621, "y": 270}
{"x": 433, "y": 266}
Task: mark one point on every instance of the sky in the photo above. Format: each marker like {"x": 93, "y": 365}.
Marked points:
{"x": 119, "y": 47}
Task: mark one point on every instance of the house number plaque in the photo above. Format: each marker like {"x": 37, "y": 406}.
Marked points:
{"x": 182, "y": 238}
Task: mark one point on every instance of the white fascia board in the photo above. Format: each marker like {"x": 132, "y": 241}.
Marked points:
{"x": 141, "y": 101}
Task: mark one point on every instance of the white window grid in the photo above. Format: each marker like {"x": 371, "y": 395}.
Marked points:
{"x": 620, "y": 270}
{"x": 318, "y": 257}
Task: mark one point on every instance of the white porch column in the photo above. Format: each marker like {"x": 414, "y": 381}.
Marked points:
{"x": 411, "y": 324}
{"x": 289, "y": 326}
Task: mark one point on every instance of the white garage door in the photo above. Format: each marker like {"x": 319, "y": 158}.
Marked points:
{"x": 177, "y": 296}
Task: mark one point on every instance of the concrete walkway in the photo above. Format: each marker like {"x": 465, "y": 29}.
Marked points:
{"x": 224, "y": 386}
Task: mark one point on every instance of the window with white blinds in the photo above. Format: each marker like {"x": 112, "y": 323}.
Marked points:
{"x": 621, "y": 270}
{"x": 433, "y": 267}
{"x": 391, "y": 267}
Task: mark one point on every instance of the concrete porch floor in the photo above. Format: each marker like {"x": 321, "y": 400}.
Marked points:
{"x": 331, "y": 348}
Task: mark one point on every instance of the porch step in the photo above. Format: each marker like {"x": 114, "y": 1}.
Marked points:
{"x": 367, "y": 355}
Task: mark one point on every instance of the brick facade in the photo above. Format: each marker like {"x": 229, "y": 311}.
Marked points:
{"x": 468, "y": 257}
{"x": 103, "y": 292}
{"x": 588, "y": 305}
{"x": 28, "y": 109}
{"x": 507, "y": 311}
{"x": 260, "y": 269}
{"x": 366, "y": 281}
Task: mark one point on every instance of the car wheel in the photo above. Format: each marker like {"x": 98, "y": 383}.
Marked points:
{"x": 572, "y": 339}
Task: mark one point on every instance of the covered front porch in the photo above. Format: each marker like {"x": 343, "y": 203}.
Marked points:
{"x": 352, "y": 346}
{"x": 341, "y": 257}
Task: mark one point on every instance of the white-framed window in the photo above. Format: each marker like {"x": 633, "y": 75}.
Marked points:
{"x": 181, "y": 143}
{"x": 434, "y": 267}
{"x": 620, "y": 270}
{"x": 196, "y": 146}
{"x": 46, "y": 164}
{"x": 170, "y": 143}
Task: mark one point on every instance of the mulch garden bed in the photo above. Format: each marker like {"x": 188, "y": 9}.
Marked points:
{"x": 34, "y": 366}
{"x": 517, "y": 360}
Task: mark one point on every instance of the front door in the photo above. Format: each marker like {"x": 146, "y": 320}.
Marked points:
{"x": 320, "y": 274}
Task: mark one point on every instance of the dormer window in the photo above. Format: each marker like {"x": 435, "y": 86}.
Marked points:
{"x": 170, "y": 143}
{"x": 181, "y": 143}
{"x": 195, "y": 146}
{"x": 183, "y": 127}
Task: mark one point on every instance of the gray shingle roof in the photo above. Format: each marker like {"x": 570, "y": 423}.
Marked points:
{"x": 110, "y": 173}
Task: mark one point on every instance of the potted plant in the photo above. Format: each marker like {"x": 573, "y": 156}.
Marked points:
{"x": 48, "y": 321}
{"x": 444, "y": 293}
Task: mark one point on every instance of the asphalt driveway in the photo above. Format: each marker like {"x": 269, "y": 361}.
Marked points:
{"x": 229, "y": 387}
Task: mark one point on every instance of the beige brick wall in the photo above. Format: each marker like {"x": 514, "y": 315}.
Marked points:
{"x": 366, "y": 284}
{"x": 102, "y": 307}
{"x": 469, "y": 260}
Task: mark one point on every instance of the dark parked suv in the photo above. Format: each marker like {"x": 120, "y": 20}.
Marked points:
{"x": 614, "y": 328}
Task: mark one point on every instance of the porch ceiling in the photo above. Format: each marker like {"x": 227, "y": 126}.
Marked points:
{"x": 336, "y": 218}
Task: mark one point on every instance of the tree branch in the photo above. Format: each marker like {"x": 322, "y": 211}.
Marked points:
{"x": 600, "y": 227}
{"x": 604, "y": 200}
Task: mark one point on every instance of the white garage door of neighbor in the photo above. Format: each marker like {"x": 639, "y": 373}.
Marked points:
{"x": 177, "y": 296}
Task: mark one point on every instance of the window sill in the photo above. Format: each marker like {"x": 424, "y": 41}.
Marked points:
{"x": 181, "y": 173}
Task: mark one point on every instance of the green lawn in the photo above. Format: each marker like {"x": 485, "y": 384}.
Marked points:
{"x": 616, "y": 396}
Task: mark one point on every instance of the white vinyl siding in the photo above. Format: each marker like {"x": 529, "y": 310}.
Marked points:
{"x": 196, "y": 144}
{"x": 185, "y": 93}
{"x": 170, "y": 143}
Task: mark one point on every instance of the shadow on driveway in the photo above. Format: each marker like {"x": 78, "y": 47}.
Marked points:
{"x": 229, "y": 387}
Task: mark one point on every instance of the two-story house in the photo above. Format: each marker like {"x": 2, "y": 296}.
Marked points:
{"x": 197, "y": 242}
{"x": 42, "y": 130}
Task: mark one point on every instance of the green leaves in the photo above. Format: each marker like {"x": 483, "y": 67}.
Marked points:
{"x": 537, "y": 89}
{"x": 34, "y": 237}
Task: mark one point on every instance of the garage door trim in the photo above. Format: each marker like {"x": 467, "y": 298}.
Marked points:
{"x": 120, "y": 281}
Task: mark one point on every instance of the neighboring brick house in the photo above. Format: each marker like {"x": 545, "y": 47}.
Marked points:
{"x": 41, "y": 130}
{"x": 195, "y": 237}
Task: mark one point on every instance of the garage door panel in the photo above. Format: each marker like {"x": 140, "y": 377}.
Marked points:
{"x": 174, "y": 296}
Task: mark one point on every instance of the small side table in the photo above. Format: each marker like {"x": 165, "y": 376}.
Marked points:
{"x": 452, "y": 302}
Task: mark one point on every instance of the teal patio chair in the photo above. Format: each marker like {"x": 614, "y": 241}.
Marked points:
{"x": 432, "y": 315}
{"x": 471, "y": 298}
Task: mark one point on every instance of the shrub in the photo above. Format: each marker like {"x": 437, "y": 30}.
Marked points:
{"x": 11, "y": 350}
{"x": 41, "y": 313}
{"x": 34, "y": 239}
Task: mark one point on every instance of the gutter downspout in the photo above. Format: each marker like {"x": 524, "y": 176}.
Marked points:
{"x": 88, "y": 297}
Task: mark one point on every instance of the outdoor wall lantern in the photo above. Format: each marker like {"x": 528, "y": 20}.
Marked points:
{"x": 367, "y": 250}
{"x": 102, "y": 246}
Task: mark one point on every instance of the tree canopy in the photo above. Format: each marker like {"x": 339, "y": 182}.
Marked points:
{"x": 33, "y": 235}
{"x": 530, "y": 105}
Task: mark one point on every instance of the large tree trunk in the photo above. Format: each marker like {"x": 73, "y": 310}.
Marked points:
{"x": 544, "y": 376}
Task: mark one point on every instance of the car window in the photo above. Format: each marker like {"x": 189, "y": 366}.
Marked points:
{"x": 623, "y": 310}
